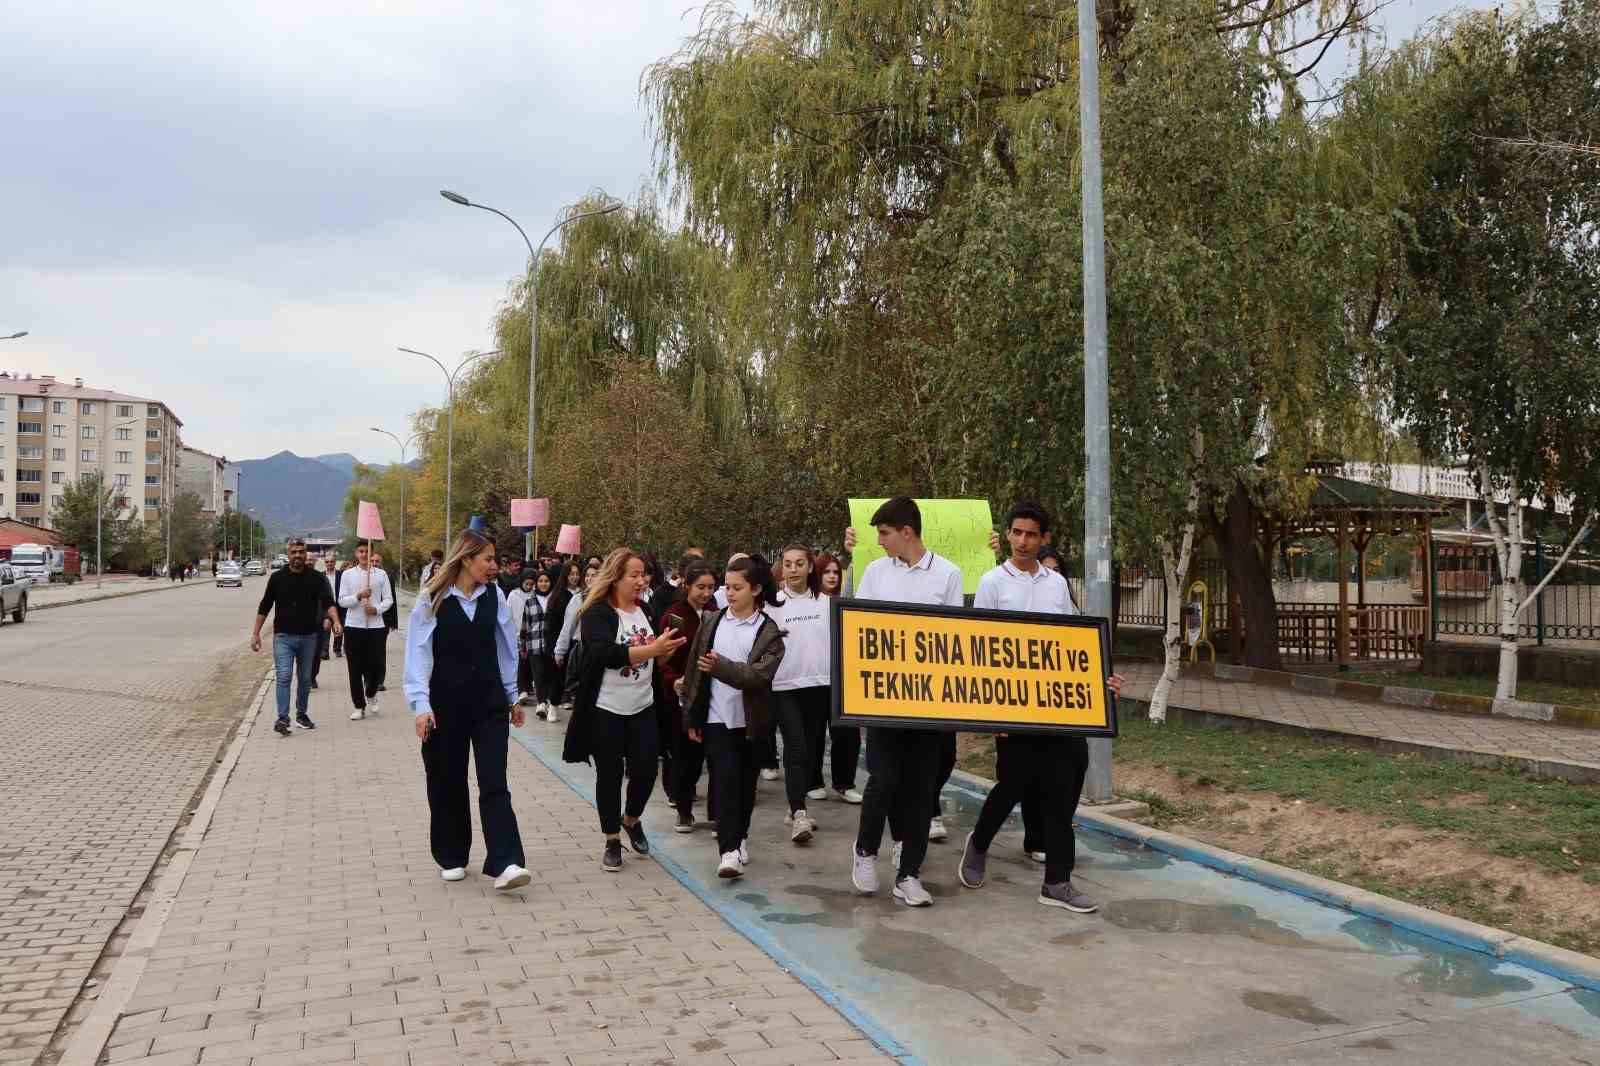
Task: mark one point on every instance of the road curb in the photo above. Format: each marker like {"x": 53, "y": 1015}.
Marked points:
{"x": 89, "y": 1041}
{"x": 1569, "y": 966}
{"x": 32, "y": 607}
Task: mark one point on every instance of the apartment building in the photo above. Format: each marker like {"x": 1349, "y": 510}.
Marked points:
{"x": 206, "y": 476}
{"x": 54, "y": 432}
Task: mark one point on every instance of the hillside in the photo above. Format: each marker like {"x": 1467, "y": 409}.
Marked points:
{"x": 295, "y": 494}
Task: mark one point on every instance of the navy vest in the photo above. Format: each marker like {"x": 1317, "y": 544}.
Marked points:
{"x": 466, "y": 663}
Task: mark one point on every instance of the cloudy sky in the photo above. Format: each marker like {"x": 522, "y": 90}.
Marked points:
{"x": 234, "y": 207}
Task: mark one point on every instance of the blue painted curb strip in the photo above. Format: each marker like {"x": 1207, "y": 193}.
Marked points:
{"x": 752, "y": 932}
{"x": 1498, "y": 944}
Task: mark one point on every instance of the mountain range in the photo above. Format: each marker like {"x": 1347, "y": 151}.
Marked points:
{"x": 296, "y": 494}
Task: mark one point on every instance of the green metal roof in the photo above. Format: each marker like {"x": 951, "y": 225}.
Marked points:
{"x": 1335, "y": 493}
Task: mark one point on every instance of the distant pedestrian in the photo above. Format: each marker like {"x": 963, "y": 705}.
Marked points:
{"x": 800, "y": 691}
{"x": 325, "y": 634}
{"x": 391, "y": 619}
{"x": 365, "y": 594}
{"x": 461, "y": 685}
{"x": 435, "y": 560}
{"x": 300, "y": 599}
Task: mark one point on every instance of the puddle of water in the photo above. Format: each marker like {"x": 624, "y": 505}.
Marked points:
{"x": 1120, "y": 854}
{"x": 1210, "y": 919}
{"x": 1441, "y": 968}
{"x": 1073, "y": 940}
{"x": 838, "y": 907}
{"x": 1377, "y": 1043}
{"x": 1295, "y": 1008}
{"x": 1588, "y": 1000}
{"x": 755, "y": 899}
{"x": 930, "y": 960}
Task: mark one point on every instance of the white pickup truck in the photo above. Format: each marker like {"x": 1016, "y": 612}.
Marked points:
{"x": 13, "y": 594}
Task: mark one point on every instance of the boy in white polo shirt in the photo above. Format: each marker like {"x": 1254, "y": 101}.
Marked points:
{"x": 904, "y": 763}
{"x": 1045, "y": 773}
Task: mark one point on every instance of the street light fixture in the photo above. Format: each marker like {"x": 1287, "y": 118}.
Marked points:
{"x": 449, "y": 426}
{"x": 99, "y": 509}
{"x": 533, "y": 313}
{"x": 404, "y": 444}
{"x": 15, "y": 336}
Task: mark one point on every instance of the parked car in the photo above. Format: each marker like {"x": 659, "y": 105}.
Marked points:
{"x": 228, "y": 574}
{"x": 279, "y": 562}
{"x": 253, "y": 568}
{"x": 13, "y": 594}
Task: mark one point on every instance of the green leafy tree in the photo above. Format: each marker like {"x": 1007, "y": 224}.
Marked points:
{"x": 1494, "y": 332}
{"x": 89, "y": 508}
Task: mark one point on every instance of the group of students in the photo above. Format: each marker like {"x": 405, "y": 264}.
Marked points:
{"x": 688, "y": 677}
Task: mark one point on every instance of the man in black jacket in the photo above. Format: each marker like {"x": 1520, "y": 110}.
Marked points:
{"x": 299, "y": 596}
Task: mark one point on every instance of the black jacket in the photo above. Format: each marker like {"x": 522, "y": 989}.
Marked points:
{"x": 595, "y": 651}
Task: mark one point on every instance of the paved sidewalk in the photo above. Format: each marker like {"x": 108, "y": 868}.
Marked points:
{"x": 1484, "y": 735}
{"x": 313, "y": 927}
{"x": 60, "y": 595}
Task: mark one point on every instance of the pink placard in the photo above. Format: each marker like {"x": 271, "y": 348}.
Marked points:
{"x": 525, "y": 514}
{"x": 570, "y": 542}
{"x": 368, "y": 525}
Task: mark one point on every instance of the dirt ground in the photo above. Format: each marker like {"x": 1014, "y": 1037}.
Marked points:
{"x": 1434, "y": 869}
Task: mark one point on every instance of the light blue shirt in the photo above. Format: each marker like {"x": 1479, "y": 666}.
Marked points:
{"x": 419, "y": 646}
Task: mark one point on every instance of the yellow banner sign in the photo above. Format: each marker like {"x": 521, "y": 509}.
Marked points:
{"x": 983, "y": 671}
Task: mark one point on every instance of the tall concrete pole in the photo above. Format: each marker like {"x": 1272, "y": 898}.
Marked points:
{"x": 1096, "y": 384}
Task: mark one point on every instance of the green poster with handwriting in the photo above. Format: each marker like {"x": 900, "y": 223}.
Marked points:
{"x": 957, "y": 529}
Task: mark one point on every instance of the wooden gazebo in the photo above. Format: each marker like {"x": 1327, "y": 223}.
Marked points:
{"x": 1351, "y": 513}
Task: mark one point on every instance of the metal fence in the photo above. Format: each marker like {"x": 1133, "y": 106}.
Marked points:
{"x": 1141, "y": 594}
{"x": 1468, "y": 581}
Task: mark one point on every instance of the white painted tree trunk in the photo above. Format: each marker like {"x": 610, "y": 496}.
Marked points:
{"x": 1175, "y": 570}
{"x": 1508, "y": 551}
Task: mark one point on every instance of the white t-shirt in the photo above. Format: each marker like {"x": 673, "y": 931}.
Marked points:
{"x": 627, "y": 691}
{"x": 1005, "y": 588}
{"x": 734, "y": 641}
{"x": 807, "y": 642}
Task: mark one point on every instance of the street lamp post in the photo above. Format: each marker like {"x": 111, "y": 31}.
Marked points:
{"x": 404, "y": 444}
{"x": 15, "y": 336}
{"x": 533, "y": 315}
{"x": 99, "y": 510}
{"x": 449, "y": 426}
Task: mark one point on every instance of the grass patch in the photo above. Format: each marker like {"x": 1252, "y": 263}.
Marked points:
{"x": 1550, "y": 823}
{"x": 1532, "y": 691}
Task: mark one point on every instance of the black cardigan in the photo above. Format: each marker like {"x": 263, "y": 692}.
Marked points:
{"x": 599, "y": 652}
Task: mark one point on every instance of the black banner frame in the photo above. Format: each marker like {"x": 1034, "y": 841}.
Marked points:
{"x": 837, "y": 716}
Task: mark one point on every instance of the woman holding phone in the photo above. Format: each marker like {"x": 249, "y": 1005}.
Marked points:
{"x": 461, "y": 685}
{"x": 613, "y": 717}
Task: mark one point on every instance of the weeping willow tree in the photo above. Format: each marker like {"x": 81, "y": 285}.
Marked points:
{"x": 897, "y": 186}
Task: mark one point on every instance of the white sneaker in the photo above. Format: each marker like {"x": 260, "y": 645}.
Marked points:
{"x": 769, "y": 775}
{"x": 863, "y": 872}
{"x": 936, "y": 829}
{"x": 849, "y": 795}
{"x": 372, "y": 706}
{"x": 1037, "y": 856}
{"x": 817, "y": 794}
{"x": 744, "y": 852}
{"x": 525, "y": 698}
{"x": 803, "y": 828}
{"x": 512, "y": 876}
{"x": 551, "y": 715}
{"x": 895, "y": 855}
{"x": 909, "y": 890}
{"x": 357, "y": 714}
{"x": 730, "y": 865}
{"x": 455, "y": 873}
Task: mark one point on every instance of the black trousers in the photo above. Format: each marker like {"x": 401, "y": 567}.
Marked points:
{"x": 813, "y": 710}
{"x": 485, "y": 731}
{"x": 524, "y": 673}
{"x": 543, "y": 668}
{"x": 323, "y": 637}
{"x": 789, "y": 710}
{"x": 619, "y": 739}
{"x": 904, "y": 764}
{"x": 1049, "y": 771}
{"x": 688, "y": 759}
{"x": 767, "y": 752}
{"x": 363, "y": 650}
{"x": 846, "y": 755}
{"x": 947, "y": 766}
{"x": 732, "y": 758}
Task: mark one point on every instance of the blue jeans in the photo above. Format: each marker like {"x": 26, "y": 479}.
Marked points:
{"x": 289, "y": 649}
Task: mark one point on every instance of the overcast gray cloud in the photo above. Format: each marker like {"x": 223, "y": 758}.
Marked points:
{"x": 233, "y": 207}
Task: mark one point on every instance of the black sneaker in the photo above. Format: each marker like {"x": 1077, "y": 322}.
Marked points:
{"x": 636, "y": 838}
{"x": 281, "y": 726}
{"x": 611, "y": 861}
{"x": 305, "y": 721}
{"x": 685, "y": 823}
{"x": 313, "y": 685}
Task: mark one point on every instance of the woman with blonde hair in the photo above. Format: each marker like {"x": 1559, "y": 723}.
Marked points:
{"x": 461, "y": 685}
{"x": 613, "y": 716}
